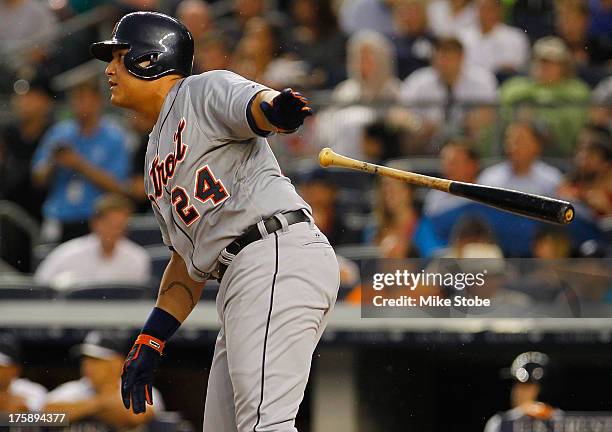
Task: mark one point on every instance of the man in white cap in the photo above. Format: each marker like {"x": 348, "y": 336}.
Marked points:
{"x": 96, "y": 396}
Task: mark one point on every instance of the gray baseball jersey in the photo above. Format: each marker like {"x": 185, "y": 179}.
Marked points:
{"x": 208, "y": 175}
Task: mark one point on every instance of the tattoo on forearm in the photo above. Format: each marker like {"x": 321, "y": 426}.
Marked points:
{"x": 180, "y": 285}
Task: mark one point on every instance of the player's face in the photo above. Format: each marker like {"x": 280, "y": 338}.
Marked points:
{"x": 524, "y": 393}
{"x": 124, "y": 86}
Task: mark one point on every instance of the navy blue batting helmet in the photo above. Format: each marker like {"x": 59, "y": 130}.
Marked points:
{"x": 157, "y": 44}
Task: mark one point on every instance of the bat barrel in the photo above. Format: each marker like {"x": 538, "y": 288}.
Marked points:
{"x": 534, "y": 206}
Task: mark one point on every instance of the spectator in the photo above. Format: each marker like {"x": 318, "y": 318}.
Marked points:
{"x": 449, "y": 82}
{"x": 523, "y": 170}
{"x": 318, "y": 41}
{"x": 414, "y": 43}
{"x": 16, "y": 394}
{"x": 25, "y": 22}
{"x": 372, "y": 80}
{"x": 472, "y": 237}
{"x": 358, "y": 15}
{"x": 381, "y": 141}
{"x": 591, "y": 181}
{"x": 96, "y": 397}
{"x": 212, "y": 53}
{"x": 551, "y": 242}
{"x": 371, "y": 71}
{"x": 243, "y": 11}
{"x": 105, "y": 255}
{"x": 396, "y": 219}
{"x": 348, "y": 132}
{"x": 259, "y": 57}
{"x": 196, "y": 16}
{"x": 501, "y": 49}
{"x": 448, "y": 17}
{"x": 321, "y": 194}
{"x": 474, "y": 243}
{"x": 552, "y": 85}
{"x": 32, "y": 105}
{"x": 441, "y": 210}
{"x": 589, "y": 53}
{"x": 459, "y": 162}
{"x": 78, "y": 160}
{"x": 601, "y": 108}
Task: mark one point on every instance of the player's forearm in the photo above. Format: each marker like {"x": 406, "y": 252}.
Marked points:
{"x": 258, "y": 115}
{"x": 178, "y": 293}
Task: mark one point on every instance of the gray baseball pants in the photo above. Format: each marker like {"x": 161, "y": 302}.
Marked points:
{"x": 273, "y": 305}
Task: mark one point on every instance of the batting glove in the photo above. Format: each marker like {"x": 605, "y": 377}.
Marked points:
{"x": 138, "y": 371}
{"x": 287, "y": 110}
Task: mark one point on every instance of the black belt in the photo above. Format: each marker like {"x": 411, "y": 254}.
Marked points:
{"x": 272, "y": 224}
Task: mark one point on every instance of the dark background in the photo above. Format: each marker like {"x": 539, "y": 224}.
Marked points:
{"x": 427, "y": 382}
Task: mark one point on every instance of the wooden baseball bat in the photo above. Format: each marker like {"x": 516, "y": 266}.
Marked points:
{"x": 534, "y": 206}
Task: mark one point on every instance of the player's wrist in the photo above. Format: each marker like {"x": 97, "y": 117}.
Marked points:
{"x": 252, "y": 121}
{"x": 160, "y": 325}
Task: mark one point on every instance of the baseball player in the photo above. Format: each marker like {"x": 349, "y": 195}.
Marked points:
{"x": 528, "y": 370}
{"x": 226, "y": 212}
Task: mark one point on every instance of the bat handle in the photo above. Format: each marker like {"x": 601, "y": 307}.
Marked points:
{"x": 534, "y": 206}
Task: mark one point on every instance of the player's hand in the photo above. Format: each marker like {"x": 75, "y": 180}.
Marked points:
{"x": 138, "y": 372}
{"x": 287, "y": 110}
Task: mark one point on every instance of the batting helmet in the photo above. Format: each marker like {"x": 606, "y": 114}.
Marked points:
{"x": 529, "y": 367}
{"x": 158, "y": 45}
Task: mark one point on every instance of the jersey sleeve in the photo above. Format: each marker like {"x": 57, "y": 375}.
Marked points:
{"x": 220, "y": 99}
{"x": 162, "y": 225}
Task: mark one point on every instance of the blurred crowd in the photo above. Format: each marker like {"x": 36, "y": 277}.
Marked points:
{"x": 512, "y": 93}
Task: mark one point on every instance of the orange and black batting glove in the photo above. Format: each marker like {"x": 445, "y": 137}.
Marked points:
{"x": 143, "y": 360}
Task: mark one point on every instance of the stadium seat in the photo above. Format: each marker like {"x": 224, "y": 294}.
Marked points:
{"x": 109, "y": 291}
{"x": 160, "y": 255}
{"x": 143, "y": 230}
{"x": 19, "y": 287}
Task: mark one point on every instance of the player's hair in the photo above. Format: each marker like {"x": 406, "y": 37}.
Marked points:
{"x": 112, "y": 202}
